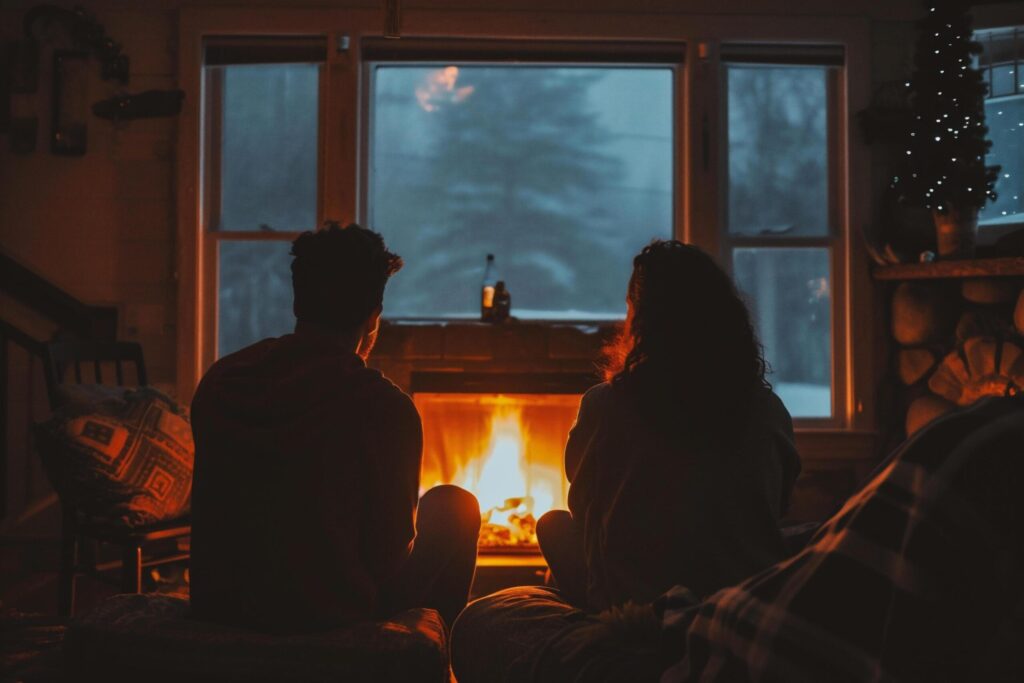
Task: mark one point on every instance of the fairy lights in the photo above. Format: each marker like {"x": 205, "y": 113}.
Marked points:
{"x": 947, "y": 95}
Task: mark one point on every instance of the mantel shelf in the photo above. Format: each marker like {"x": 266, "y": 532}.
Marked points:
{"x": 985, "y": 267}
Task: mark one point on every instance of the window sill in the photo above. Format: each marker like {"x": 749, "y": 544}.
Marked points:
{"x": 837, "y": 445}
{"x": 1009, "y": 266}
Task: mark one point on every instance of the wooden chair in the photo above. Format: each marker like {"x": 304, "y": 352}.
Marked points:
{"x": 79, "y": 363}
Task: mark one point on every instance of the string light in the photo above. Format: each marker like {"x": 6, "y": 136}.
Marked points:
{"x": 942, "y": 47}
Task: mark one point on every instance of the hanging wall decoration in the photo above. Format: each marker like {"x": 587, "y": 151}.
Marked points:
{"x": 71, "y": 74}
{"x": 143, "y": 105}
{"x": 944, "y": 162}
{"x": 70, "y": 102}
{"x": 86, "y": 34}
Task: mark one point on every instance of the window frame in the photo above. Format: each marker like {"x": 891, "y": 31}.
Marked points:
{"x": 768, "y": 55}
{"x": 698, "y": 161}
{"x": 213, "y": 235}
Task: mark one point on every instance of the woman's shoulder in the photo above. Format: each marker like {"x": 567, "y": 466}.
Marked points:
{"x": 597, "y": 393}
{"x": 602, "y": 398}
{"x": 771, "y": 411}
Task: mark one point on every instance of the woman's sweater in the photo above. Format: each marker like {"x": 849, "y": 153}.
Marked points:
{"x": 661, "y": 502}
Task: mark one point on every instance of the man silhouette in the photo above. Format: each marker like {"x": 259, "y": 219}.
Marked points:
{"x": 307, "y": 467}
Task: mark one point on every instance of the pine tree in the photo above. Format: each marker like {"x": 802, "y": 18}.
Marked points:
{"x": 945, "y": 152}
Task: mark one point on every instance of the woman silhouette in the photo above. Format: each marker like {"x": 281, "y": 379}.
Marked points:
{"x": 682, "y": 462}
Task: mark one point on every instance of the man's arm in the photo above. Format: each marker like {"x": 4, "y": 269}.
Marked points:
{"x": 396, "y": 447}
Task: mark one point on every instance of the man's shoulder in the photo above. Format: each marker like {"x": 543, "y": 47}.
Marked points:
{"x": 225, "y": 365}
{"x": 386, "y": 394}
{"x": 244, "y": 356}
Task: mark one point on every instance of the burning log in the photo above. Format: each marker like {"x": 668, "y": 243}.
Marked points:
{"x": 510, "y": 524}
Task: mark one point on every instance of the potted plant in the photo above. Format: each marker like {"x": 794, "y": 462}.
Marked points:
{"x": 943, "y": 166}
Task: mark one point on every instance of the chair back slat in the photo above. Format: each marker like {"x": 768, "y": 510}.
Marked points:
{"x": 62, "y": 354}
{"x": 140, "y": 367}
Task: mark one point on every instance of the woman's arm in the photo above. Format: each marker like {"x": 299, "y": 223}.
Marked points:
{"x": 586, "y": 422}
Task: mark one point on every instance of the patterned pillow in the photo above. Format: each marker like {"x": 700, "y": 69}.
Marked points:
{"x": 119, "y": 455}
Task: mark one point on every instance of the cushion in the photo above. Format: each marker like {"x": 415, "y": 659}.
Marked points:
{"x": 119, "y": 455}
{"x": 151, "y": 638}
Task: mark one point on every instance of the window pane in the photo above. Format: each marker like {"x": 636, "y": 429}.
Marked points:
{"x": 254, "y": 293}
{"x": 1003, "y": 77}
{"x": 789, "y": 294}
{"x": 1005, "y": 119}
{"x": 778, "y": 150}
{"x": 268, "y": 164}
{"x": 563, "y": 173}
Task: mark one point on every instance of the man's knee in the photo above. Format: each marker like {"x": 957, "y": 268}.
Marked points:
{"x": 448, "y": 508}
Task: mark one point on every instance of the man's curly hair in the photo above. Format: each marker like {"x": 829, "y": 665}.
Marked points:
{"x": 339, "y": 274}
{"x": 688, "y": 334}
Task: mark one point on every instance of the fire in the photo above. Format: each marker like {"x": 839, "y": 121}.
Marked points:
{"x": 506, "y": 450}
{"x": 500, "y": 471}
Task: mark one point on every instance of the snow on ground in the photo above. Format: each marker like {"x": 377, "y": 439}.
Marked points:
{"x": 805, "y": 400}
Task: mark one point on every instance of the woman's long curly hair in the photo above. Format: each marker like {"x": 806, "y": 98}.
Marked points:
{"x": 688, "y": 342}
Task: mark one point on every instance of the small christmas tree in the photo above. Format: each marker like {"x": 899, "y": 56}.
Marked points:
{"x": 945, "y": 152}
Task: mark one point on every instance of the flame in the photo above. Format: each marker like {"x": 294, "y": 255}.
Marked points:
{"x": 512, "y": 463}
{"x": 439, "y": 87}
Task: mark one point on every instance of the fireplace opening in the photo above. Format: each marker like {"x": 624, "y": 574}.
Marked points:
{"x": 506, "y": 448}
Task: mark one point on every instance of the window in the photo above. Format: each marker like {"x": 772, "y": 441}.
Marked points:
{"x": 1001, "y": 61}
{"x": 563, "y": 171}
{"x": 780, "y": 213}
{"x": 261, "y": 169}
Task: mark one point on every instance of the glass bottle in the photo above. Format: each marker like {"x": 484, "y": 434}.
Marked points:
{"x": 487, "y": 290}
{"x": 502, "y": 302}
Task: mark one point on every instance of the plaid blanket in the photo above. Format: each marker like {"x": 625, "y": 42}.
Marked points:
{"x": 908, "y": 581}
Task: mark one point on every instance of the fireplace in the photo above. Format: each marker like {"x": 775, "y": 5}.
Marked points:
{"x": 502, "y": 437}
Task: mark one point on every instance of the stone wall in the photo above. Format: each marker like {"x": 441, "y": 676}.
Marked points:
{"x": 958, "y": 340}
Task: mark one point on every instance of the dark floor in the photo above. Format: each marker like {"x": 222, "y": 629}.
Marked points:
{"x": 30, "y": 647}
